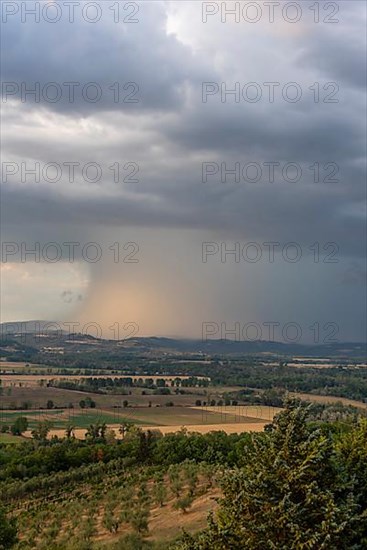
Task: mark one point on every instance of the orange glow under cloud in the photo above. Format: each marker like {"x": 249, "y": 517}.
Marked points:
{"x": 134, "y": 310}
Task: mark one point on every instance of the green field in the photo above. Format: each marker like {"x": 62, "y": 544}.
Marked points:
{"x": 33, "y": 417}
{"x": 141, "y": 416}
{"x": 9, "y": 438}
{"x": 83, "y": 420}
{"x": 60, "y": 418}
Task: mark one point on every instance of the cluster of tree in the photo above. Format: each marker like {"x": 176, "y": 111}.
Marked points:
{"x": 271, "y": 397}
{"x": 8, "y": 531}
{"x": 119, "y": 384}
{"x": 300, "y": 484}
{"x": 38, "y": 457}
{"x": 336, "y": 381}
{"x": 27, "y": 459}
{"x": 19, "y": 426}
{"x": 24, "y": 405}
{"x": 226, "y": 402}
{"x": 127, "y": 499}
{"x": 29, "y": 405}
{"x": 335, "y": 412}
{"x": 297, "y": 487}
{"x": 87, "y": 403}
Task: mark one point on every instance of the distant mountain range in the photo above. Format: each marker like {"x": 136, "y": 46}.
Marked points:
{"x": 27, "y": 327}
{"x": 29, "y": 332}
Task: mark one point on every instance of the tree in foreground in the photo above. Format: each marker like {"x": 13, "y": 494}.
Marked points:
{"x": 96, "y": 431}
{"x": 8, "y": 531}
{"x": 140, "y": 519}
{"x": 183, "y": 503}
{"x": 290, "y": 494}
{"x": 70, "y": 431}
{"x": 125, "y": 427}
{"x": 159, "y": 491}
{"x": 352, "y": 454}
{"x": 20, "y": 425}
{"x": 42, "y": 430}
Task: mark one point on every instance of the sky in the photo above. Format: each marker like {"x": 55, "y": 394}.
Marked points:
{"x": 182, "y": 171}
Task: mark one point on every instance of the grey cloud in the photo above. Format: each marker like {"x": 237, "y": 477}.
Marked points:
{"x": 338, "y": 53}
{"x": 103, "y": 53}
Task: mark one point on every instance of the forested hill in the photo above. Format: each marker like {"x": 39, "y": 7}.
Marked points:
{"x": 39, "y": 334}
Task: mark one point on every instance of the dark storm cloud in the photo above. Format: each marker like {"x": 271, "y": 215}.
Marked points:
{"x": 102, "y": 53}
{"x": 171, "y": 132}
{"x": 339, "y": 54}
{"x": 303, "y": 213}
{"x": 287, "y": 134}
